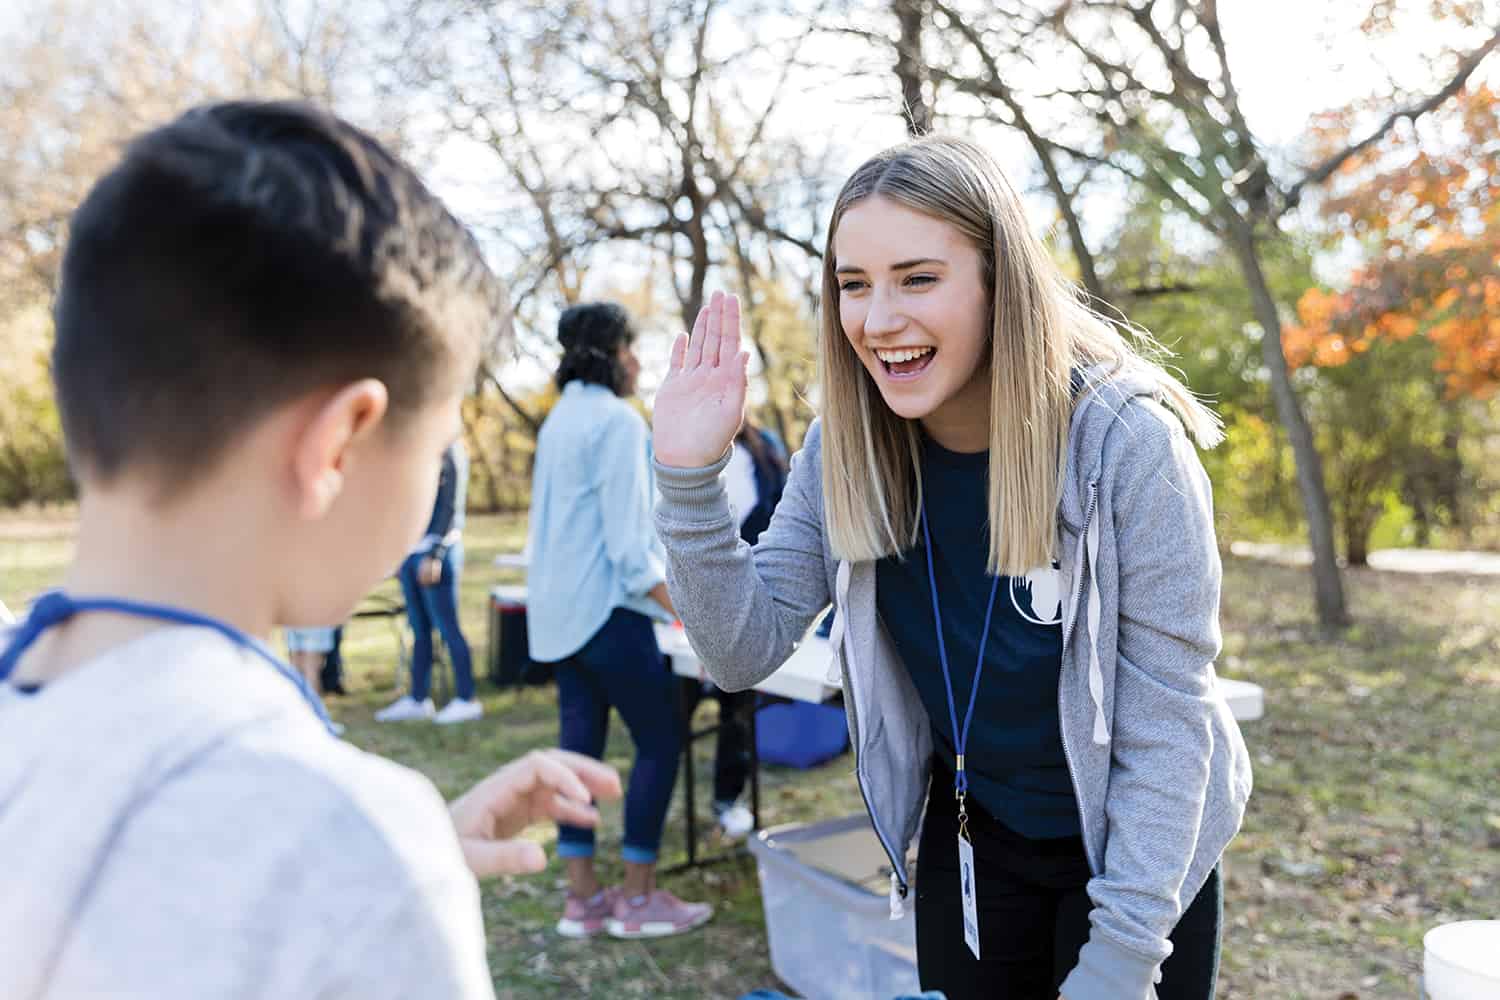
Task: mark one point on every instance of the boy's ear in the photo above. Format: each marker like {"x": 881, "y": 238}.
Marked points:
{"x": 325, "y": 448}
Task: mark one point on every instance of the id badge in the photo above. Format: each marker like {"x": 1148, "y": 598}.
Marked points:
{"x": 970, "y": 893}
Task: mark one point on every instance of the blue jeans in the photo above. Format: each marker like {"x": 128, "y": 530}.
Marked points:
{"x": 621, "y": 666}
{"x": 436, "y": 606}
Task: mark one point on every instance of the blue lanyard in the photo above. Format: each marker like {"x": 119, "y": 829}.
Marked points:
{"x": 55, "y": 607}
{"x": 960, "y": 736}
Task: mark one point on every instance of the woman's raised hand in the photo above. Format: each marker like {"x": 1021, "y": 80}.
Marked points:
{"x": 700, "y": 406}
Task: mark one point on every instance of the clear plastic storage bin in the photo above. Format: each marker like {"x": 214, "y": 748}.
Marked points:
{"x": 825, "y": 887}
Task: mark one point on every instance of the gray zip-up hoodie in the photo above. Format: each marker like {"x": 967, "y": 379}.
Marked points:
{"x": 1158, "y": 764}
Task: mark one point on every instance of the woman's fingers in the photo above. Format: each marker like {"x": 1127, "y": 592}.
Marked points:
{"x": 729, "y": 337}
{"x": 679, "y": 353}
{"x": 694, "y": 356}
{"x": 715, "y": 333}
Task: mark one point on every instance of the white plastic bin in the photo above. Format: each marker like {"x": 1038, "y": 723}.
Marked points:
{"x": 1462, "y": 961}
{"x": 825, "y": 889}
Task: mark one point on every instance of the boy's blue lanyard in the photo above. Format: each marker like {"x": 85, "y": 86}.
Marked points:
{"x": 960, "y": 736}
{"x": 55, "y": 607}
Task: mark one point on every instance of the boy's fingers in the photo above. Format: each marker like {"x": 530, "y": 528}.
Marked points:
{"x": 602, "y": 781}
{"x": 547, "y": 772}
{"x": 572, "y": 812}
{"x": 729, "y": 342}
{"x": 503, "y": 857}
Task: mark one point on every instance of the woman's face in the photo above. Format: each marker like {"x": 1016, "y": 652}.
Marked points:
{"x": 913, "y": 304}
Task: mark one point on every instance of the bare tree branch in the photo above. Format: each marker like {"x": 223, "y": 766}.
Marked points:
{"x": 1326, "y": 169}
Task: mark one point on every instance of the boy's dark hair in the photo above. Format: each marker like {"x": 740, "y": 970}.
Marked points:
{"x": 240, "y": 256}
{"x": 591, "y": 335}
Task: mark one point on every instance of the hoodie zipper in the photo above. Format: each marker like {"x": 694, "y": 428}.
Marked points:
{"x": 1062, "y": 730}
{"x": 859, "y": 781}
{"x": 1076, "y": 598}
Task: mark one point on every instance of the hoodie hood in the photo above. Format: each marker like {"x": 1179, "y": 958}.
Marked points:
{"x": 1105, "y": 394}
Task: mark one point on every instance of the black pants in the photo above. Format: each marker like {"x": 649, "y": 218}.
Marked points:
{"x": 732, "y": 745}
{"x": 1033, "y": 914}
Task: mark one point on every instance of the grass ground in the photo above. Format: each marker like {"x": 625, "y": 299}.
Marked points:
{"x": 1376, "y": 812}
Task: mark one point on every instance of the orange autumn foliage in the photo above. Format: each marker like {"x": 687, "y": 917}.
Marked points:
{"x": 1428, "y": 209}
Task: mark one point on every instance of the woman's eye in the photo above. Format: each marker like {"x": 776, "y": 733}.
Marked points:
{"x": 922, "y": 279}
{"x": 851, "y": 286}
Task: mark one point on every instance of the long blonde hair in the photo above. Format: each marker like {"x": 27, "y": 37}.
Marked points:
{"x": 1041, "y": 330}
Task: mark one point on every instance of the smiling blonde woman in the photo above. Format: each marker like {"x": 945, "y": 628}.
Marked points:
{"x": 1002, "y": 501}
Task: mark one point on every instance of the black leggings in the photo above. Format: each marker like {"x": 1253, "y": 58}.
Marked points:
{"x": 1033, "y": 914}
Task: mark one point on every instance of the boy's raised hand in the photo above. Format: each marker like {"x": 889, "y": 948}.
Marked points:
{"x": 543, "y": 785}
{"x": 701, "y": 404}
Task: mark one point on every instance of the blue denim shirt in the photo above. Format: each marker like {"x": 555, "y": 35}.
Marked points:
{"x": 593, "y": 545}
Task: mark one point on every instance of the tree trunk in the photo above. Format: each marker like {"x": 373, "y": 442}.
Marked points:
{"x": 1421, "y": 518}
{"x": 910, "y": 67}
{"x": 1357, "y": 526}
{"x": 1449, "y": 485}
{"x": 1328, "y": 586}
{"x": 480, "y": 459}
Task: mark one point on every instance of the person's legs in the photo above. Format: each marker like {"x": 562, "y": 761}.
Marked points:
{"x": 583, "y": 717}
{"x": 643, "y": 689}
{"x": 1192, "y": 970}
{"x": 1018, "y": 885}
{"x": 732, "y": 748}
{"x": 310, "y": 665}
{"x": 331, "y": 677}
{"x": 421, "y": 627}
{"x": 441, "y": 603}
{"x": 637, "y": 681}
{"x": 307, "y": 648}
{"x": 1189, "y": 973}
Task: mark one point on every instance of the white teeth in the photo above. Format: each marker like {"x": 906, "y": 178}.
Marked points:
{"x": 905, "y": 354}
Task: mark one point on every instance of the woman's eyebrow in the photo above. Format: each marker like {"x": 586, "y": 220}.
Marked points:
{"x": 898, "y": 266}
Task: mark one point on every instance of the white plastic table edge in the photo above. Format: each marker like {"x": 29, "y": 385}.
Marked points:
{"x": 804, "y": 676}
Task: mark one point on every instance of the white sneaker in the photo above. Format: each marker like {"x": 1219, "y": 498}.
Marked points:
{"x": 736, "y": 821}
{"x": 405, "y": 708}
{"x": 459, "y": 710}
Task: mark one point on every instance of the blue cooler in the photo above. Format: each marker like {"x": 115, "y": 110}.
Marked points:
{"x": 800, "y": 734}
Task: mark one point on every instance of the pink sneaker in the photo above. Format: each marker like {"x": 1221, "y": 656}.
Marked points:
{"x": 583, "y": 918}
{"x": 659, "y": 914}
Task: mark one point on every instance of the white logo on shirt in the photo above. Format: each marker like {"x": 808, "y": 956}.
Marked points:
{"x": 1037, "y": 596}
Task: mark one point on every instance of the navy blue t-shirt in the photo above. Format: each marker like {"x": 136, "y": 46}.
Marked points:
{"x": 1017, "y": 771}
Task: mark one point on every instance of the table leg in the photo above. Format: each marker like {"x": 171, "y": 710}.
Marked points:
{"x": 754, "y": 763}
{"x": 689, "y": 780}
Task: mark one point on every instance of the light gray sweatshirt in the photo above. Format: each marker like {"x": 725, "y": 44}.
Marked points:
{"x": 177, "y": 823}
{"x": 1158, "y": 764}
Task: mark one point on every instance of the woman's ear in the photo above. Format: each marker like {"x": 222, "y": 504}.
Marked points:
{"x": 325, "y": 449}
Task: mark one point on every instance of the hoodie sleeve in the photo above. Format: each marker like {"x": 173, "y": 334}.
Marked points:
{"x": 1158, "y": 498}
{"x": 744, "y": 609}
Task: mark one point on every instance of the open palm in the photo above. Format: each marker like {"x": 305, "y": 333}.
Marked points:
{"x": 699, "y": 407}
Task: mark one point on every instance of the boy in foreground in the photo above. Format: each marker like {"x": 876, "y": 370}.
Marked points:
{"x": 264, "y": 328}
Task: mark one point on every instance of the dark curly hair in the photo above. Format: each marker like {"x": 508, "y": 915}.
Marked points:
{"x": 591, "y": 335}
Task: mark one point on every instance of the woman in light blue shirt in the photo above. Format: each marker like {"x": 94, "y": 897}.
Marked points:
{"x": 596, "y": 581}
